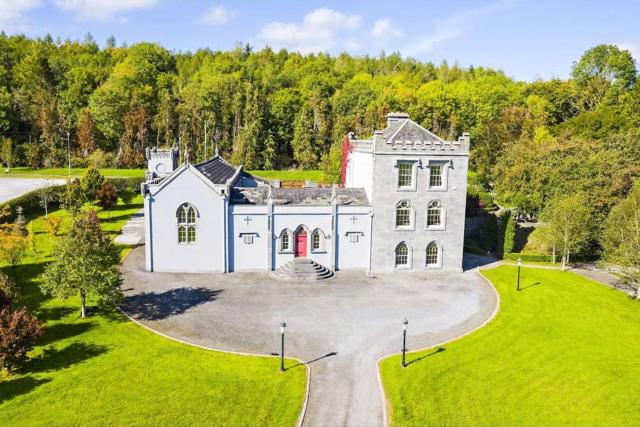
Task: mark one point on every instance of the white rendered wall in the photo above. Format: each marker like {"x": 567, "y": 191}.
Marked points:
{"x": 353, "y": 255}
{"x": 164, "y": 253}
{"x": 244, "y": 256}
{"x": 360, "y": 171}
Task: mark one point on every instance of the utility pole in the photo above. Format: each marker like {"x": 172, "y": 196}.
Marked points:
{"x": 69, "y": 152}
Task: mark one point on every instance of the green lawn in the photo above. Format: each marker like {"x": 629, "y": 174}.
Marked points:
{"x": 563, "y": 351}
{"x": 105, "y": 370}
{"x": 24, "y": 172}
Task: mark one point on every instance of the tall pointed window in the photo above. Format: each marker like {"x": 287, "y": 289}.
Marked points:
{"x": 432, "y": 254}
{"x": 402, "y": 255}
{"x": 434, "y": 214}
{"x": 403, "y": 214}
{"x": 186, "y": 224}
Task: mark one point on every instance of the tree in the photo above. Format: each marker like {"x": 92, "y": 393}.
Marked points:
{"x": 304, "y": 139}
{"x": 91, "y": 183}
{"x": 13, "y": 247}
{"x": 53, "y": 224}
{"x": 246, "y": 145}
{"x": 509, "y": 233}
{"x": 135, "y": 137}
{"x": 107, "y": 196}
{"x": 621, "y": 238}
{"x": 45, "y": 195}
{"x": 568, "y": 219}
{"x": 332, "y": 164}
{"x": 87, "y": 263}
{"x": 269, "y": 153}
{"x": 20, "y": 225}
{"x": 73, "y": 197}
{"x": 126, "y": 195}
{"x": 8, "y": 291}
{"x": 86, "y": 133}
{"x": 19, "y": 331}
{"x": 7, "y": 153}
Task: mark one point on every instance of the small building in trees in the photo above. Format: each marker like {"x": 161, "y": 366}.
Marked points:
{"x": 401, "y": 206}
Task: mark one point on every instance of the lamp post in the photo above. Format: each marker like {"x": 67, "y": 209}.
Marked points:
{"x": 283, "y": 326}
{"x": 405, "y": 322}
{"x": 69, "y": 152}
{"x": 519, "y": 265}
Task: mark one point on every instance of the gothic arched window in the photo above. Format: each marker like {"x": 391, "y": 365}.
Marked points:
{"x": 403, "y": 214}
{"x": 434, "y": 214}
{"x": 432, "y": 254}
{"x": 186, "y": 223}
{"x": 402, "y": 255}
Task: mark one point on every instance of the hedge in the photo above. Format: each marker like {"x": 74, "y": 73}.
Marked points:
{"x": 513, "y": 256}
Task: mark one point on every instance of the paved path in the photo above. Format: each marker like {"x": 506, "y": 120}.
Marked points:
{"x": 13, "y": 187}
{"x": 340, "y": 326}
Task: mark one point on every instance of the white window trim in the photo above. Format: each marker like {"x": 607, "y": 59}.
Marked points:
{"x": 438, "y": 265}
{"x": 409, "y": 264}
{"x": 443, "y": 218}
{"x": 445, "y": 175}
{"x": 414, "y": 174}
{"x": 186, "y": 225}
{"x": 323, "y": 238}
{"x": 290, "y": 235}
{"x": 412, "y": 217}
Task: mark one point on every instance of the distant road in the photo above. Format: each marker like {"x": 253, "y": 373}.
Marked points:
{"x": 11, "y": 188}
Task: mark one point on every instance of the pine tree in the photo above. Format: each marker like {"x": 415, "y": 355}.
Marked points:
{"x": 86, "y": 133}
{"x": 246, "y": 146}
{"x": 304, "y": 150}
{"x": 269, "y": 153}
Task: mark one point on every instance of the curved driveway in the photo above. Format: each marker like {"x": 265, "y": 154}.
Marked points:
{"x": 340, "y": 326}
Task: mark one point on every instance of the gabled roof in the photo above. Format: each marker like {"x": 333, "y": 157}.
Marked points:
{"x": 408, "y": 130}
{"x": 217, "y": 170}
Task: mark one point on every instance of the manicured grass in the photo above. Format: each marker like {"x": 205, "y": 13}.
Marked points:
{"x": 540, "y": 263}
{"x": 563, "y": 351}
{"x": 105, "y": 370}
{"x": 290, "y": 175}
{"x": 24, "y": 172}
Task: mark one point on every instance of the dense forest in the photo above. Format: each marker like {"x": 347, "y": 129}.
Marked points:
{"x": 276, "y": 110}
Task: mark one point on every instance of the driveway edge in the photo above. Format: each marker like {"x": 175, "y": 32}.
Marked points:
{"x": 383, "y": 395}
{"x": 305, "y": 404}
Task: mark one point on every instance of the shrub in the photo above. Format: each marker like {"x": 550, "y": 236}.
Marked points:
{"x": 53, "y": 224}
{"x": 92, "y": 183}
{"x": 13, "y": 247}
{"x": 8, "y": 291}
{"x": 30, "y": 202}
{"x": 73, "y": 197}
{"x": 126, "y": 195}
{"x": 509, "y": 233}
{"x": 107, "y": 196}
{"x": 100, "y": 159}
{"x": 19, "y": 331}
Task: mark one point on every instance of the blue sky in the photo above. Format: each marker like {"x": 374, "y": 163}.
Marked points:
{"x": 527, "y": 39}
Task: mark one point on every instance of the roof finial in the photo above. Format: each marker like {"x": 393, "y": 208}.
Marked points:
{"x": 216, "y": 150}
{"x": 186, "y": 156}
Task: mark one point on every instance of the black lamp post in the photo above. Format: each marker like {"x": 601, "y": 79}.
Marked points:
{"x": 405, "y": 322}
{"x": 519, "y": 265}
{"x": 283, "y": 326}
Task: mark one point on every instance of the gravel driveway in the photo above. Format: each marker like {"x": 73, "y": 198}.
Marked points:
{"x": 340, "y": 327}
{"x": 11, "y": 188}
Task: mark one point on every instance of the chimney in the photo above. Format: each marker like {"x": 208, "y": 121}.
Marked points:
{"x": 396, "y": 117}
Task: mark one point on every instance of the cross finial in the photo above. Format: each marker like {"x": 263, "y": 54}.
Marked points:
{"x": 186, "y": 156}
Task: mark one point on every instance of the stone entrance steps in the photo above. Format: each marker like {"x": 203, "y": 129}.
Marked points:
{"x": 301, "y": 270}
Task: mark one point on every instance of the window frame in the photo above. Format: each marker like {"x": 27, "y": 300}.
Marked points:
{"x": 321, "y": 241}
{"x": 442, "y": 216}
{"x": 444, "y": 175}
{"x": 289, "y": 237}
{"x": 187, "y": 224}
{"x": 408, "y": 255}
{"x": 414, "y": 174}
{"x": 410, "y": 215}
{"x": 438, "y": 262}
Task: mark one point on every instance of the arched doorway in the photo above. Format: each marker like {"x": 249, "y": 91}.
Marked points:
{"x": 301, "y": 242}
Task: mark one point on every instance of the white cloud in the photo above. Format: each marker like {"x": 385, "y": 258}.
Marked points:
{"x": 216, "y": 15}
{"x": 320, "y": 30}
{"x": 12, "y": 13}
{"x": 633, "y": 48}
{"x": 383, "y": 31}
{"x": 103, "y": 10}
{"x": 454, "y": 26}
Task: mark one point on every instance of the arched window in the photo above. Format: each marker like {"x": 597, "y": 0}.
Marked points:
{"x": 285, "y": 241}
{"x": 315, "y": 240}
{"x": 434, "y": 214}
{"x": 432, "y": 254}
{"x": 186, "y": 223}
{"x": 402, "y": 255}
{"x": 403, "y": 214}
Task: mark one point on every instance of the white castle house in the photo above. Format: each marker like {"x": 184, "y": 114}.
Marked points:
{"x": 401, "y": 206}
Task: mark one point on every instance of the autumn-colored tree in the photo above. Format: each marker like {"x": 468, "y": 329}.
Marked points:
{"x": 19, "y": 331}
{"x": 53, "y": 224}
{"x": 13, "y": 247}
{"x": 107, "y": 196}
{"x": 87, "y": 263}
{"x": 8, "y": 291}
{"x": 7, "y": 153}
{"x": 134, "y": 140}
{"x": 86, "y": 133}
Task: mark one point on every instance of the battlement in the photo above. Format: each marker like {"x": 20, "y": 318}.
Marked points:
{"x": 161, "y": 161}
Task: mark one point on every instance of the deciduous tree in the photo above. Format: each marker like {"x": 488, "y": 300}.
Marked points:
{"x": 19, "y": 331}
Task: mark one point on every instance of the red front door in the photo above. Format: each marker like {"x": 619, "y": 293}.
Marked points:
{"x": 301, "y": 243}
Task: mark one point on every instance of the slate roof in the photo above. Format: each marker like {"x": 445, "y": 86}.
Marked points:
{"x": 408, "y": 130}
{"x": 299, "y": 196}
{"x": 217, "y": 170}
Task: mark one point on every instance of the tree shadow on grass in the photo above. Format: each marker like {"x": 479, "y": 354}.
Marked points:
{"x": 53, "y": 359}
{"x": 158, "y": 306}
{"x": 61, "y": 331}
{"x": 433, "y": 353}
{"x": 19, "y": 386}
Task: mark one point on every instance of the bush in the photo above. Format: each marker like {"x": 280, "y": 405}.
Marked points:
{"x": 107, "y": 196}
{"x": 92, "y": 183}
{"x": 527, "y": 257}
{"x": 509, "y": 233}
{"x": 126, "y": 195}
{"x": 30, "y": 201}
{"x": 8, "y": 291}
{"x": 100, "y": 159}
{"x": 19, "y": 331}
{"x": 53, "y": 224}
